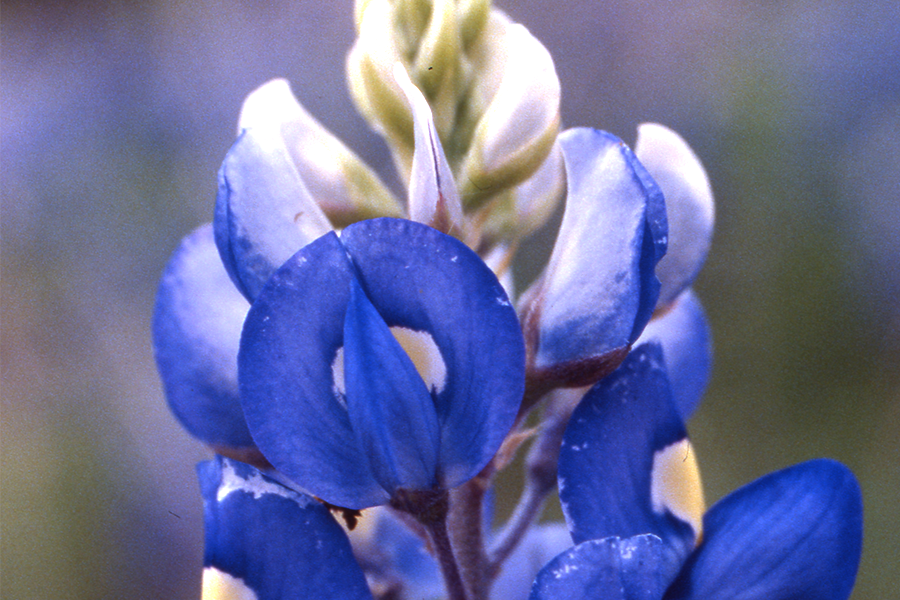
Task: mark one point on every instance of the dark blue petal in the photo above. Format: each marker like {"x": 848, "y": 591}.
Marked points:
{"x": 607, "y": 569}
{"x": 196, "y": 330}
{"x": 293, "y": 402}
{"x": 264, "y": 211}
{"x": 792, "y": 534}
{"x": 626, "y": 467}
{"x": 424, "y": 281}
{"x": 391, "y": 409}
{"x": 684, "y": 335}
{"x": 265, "y": 538}
{"x": 599, "y": 289}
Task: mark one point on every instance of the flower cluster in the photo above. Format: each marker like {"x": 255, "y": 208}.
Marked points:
{"x": 364, "y": 367}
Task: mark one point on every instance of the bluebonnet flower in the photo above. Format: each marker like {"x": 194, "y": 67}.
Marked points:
{"x": 632, "y": 499}
{"x": 333, "y": 400}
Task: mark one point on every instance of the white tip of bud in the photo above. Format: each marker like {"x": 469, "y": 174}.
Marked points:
{"x": 339, "y": 182}
{"x": 689, "y": 205}
{"x": 433, "y": 198}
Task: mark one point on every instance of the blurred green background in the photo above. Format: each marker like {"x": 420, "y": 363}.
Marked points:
{"x": 115, "y": 117}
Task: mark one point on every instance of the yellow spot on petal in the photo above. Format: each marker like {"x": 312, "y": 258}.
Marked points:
{"x": 421, "y": 349}
{"x": 218, "y": 585}
{"x": 675, "y": 485}
{"x": 426, "y": 356}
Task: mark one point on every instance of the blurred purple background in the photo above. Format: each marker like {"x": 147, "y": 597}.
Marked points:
{"x": 115, "y": 117}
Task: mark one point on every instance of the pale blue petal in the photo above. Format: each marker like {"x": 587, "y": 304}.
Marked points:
{"x": 599, "y": 288}
{"x": 689, "y": 205}
{"x": 196, "y": 330}
{"x": 684, "y": 335}
{"x": 264, "y": 211}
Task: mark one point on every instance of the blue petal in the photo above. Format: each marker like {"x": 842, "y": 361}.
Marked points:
{"x": 684, "y": 335}
{"x": 607, "y": 569}
{"x": 293, "y": 404}
{"x": 272, "y": 541}
{"x": 617, "y": 472}
{"x": 391, "y": 409}
{"x": 264, "y": 211}
{"x": 425, "y": 281}
{"x": 196, "y": 330}
{"x": 599, "y": 289}
{"x": 796, "y": 533}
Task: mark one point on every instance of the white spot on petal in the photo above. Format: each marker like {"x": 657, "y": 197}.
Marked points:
{"x": 256, "y": 485}
{"x": 425, "y": 355}
{"x": 339, "y": 386}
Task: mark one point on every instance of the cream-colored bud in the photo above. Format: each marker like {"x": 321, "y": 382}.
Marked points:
{"x": 473, "y": 16}
{"x": 436, "y": 67}
{"x": 370, "y": 77}
{"x": 519, "y": 87}
{"x": 339, "y": 182}
{"x": 519, "y": 212}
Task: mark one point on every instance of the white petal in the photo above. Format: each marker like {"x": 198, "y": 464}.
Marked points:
{"x": 689, "y": 205}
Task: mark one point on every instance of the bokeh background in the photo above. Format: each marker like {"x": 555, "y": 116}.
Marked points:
{"x": 116, "y": 115}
